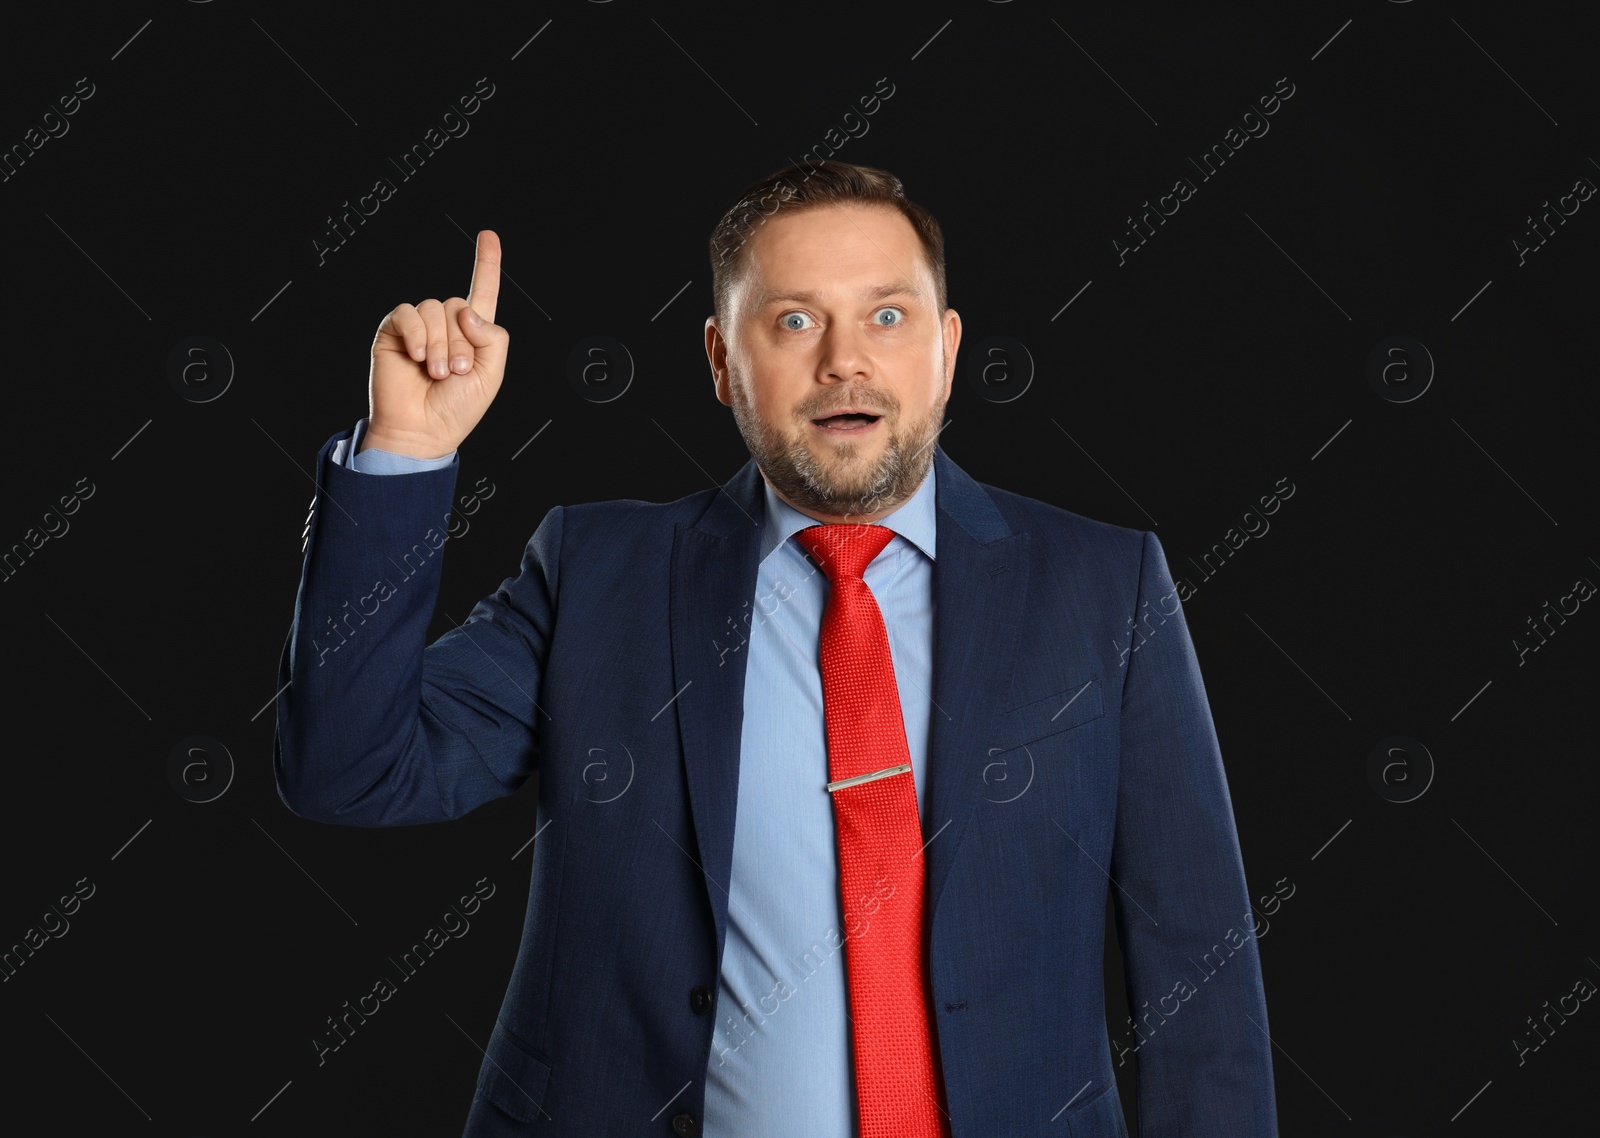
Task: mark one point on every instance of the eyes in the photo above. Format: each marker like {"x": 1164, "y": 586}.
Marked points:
{"x": 791, "y": 321}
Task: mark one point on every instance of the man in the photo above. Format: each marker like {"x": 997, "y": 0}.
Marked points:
{"x": 837, "y": 762}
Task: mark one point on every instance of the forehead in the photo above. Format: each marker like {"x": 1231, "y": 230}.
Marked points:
{"x": 834, "y": 251}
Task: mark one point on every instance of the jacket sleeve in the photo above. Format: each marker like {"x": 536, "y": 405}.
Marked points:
{"x": 375, "y": 727}
{"x": 1199, "y": 1040}
{"x": 373, "y": 461}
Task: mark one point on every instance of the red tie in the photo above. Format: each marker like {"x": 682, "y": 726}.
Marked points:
{"x": 898, "y": 1094}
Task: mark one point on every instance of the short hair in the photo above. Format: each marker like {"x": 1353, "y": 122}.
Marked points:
{"x": 809, "y": 186}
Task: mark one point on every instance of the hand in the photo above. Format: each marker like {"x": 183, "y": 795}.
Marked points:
{"x": 435, "y": 371}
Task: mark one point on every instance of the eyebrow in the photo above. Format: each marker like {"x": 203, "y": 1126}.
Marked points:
{"x": 872, "y": 292}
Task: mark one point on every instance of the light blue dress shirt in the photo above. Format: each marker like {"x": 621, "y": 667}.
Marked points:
{"x": 781, "y": 1059}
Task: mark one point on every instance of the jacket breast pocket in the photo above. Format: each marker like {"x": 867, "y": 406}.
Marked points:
{"x": 1068, "y": 708}
{"x": 511, "y": 1078}
{"x": 1100, "y": 1115}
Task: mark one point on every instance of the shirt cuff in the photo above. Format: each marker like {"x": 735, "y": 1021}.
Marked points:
{"x": 348, "y": 453}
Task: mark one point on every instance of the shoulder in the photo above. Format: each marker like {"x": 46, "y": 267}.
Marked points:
{"x": 1054, "y": 530}
{"x": 631, "y": 522}
{"x": 1091, "y": 564}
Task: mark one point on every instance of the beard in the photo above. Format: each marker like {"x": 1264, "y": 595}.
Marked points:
{"x": 837, "y": 479}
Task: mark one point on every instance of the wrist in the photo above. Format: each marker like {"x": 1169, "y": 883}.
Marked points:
{"x": 401, "y": 442}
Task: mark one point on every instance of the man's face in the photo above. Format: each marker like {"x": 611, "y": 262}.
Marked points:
{"x": 835, "y": 311}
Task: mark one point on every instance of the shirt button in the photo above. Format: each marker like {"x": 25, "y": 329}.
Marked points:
{"x": 700, "y": 998}
{"x": 683, "y": 1125}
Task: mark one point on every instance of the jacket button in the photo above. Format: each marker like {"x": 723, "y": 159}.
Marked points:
{"x": 683, "y": 1125}
{"x": 700, "y": 998}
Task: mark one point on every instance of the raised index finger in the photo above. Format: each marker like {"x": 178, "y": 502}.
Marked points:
{"x": 485, "y": 290}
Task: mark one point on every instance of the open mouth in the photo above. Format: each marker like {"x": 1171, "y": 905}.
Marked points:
{"x": 850, "y": 421}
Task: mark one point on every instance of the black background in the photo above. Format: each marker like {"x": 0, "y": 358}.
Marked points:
{"x": 1171, "y": 394}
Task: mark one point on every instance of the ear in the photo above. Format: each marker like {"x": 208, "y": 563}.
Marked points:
{"x": 717, "y": 356}
{"x": 952, "y": 341}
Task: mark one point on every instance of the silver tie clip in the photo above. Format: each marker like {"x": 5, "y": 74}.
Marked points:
{"x": 857, "y": 780}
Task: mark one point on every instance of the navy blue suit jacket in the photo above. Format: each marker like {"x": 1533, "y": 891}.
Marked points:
{"x": 1072, "y": 755}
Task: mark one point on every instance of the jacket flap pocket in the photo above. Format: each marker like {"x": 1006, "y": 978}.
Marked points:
{"x": 511, "y": 1078}
{"x": 1100, "y": 1115}
{"x": 1078, "y": 703}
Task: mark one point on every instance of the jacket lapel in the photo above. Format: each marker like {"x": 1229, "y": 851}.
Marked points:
{"x": 980, "y": 583}
{"x": 714, "y": 564}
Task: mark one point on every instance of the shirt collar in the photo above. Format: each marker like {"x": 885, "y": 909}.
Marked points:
{"x": 913, "y": 519}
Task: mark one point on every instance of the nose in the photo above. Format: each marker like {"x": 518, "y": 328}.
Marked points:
{"x": 845, "y": 355}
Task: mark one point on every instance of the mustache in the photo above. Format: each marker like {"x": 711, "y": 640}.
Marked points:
{"x": 879, "y": 406}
